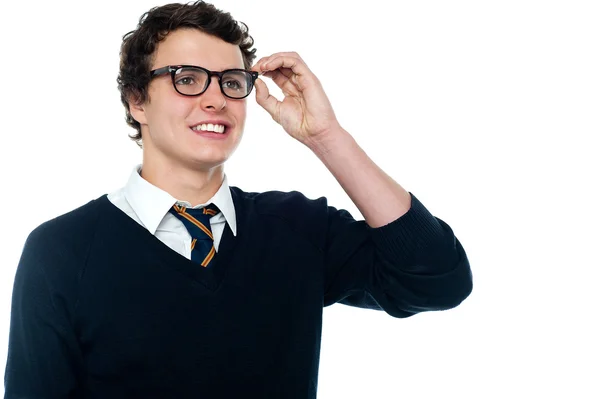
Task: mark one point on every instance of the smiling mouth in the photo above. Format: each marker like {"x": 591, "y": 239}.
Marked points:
{"x": 210, "y": 128}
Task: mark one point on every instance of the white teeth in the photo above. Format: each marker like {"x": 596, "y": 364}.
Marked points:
{"x": 209, "y": 127}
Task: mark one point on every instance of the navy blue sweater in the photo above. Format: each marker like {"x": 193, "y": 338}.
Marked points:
{"x": 101, "y": 308}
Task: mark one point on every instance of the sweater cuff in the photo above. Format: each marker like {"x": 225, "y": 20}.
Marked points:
{"x": 405, "y": 237}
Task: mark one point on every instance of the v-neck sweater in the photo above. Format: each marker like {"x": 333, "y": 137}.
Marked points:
{"x": 101, "y": 308}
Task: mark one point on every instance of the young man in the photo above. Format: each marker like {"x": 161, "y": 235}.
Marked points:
{"x": 179, "y": 286}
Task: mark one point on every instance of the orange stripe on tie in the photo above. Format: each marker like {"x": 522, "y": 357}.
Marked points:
{"x": 211, "y": 212}
{"x": 194, "y": 243}
{"x": 209, "y": 257}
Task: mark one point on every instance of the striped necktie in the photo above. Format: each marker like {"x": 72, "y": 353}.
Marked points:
{"x": 197, "y": 223}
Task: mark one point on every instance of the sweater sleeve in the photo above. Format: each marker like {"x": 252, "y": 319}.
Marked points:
{"x": 43, "y": 354}
{"x": 410, "y": 265}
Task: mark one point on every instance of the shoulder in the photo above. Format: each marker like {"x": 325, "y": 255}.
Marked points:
{"x": 67, "y": 234}
{"x": 72, "y": 222}
{"x": 58, "y": 248}
{"x": 291, "y": 204}
{"x": 308, "y": 217}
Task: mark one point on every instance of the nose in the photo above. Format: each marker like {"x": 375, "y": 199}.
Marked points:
{"x": 213, "y": 98}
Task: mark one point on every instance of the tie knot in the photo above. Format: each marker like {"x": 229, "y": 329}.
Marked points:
{"x": 199, "y": 213}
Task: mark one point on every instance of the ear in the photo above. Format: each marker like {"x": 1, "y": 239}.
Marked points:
{"x": 136, "y": 109}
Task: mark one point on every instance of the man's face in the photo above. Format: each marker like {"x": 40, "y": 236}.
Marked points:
{"x": 168, "y": 117}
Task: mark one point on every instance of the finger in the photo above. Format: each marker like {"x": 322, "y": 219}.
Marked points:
{"x": 277, "y": 77}
{"x": 299, "y": 68}
{"x": 288, "y": 73}
{"x": 257, "y": 66}
{"x": 266, "y": 100}
{"x": 282, "y": 61}
{"x": 287, "y": 85}
{"x": 289, "y": 54}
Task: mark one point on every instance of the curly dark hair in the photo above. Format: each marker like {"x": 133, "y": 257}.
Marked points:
{"x": 139, "y": 45}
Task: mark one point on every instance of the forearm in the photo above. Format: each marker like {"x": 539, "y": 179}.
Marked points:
{"x": 376, "y": 195}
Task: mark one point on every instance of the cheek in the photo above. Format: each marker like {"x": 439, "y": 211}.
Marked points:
{"x": 239, "y": 110}
{"x": 171, "y": 110}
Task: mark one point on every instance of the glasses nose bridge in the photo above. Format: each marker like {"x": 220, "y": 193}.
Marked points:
{"x": 215, "y": 73}
{"x": 212, "y": 74}
{"x": 219, "y": 89}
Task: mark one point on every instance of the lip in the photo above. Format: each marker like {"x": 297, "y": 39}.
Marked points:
{"x": 211, "y": 135}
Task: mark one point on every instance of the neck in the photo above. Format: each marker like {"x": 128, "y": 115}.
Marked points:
{"x": 195, "y": 186}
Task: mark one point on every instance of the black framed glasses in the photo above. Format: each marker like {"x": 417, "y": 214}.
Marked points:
{"x": 191, "y": 80}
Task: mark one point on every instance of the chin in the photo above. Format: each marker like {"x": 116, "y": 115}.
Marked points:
{"x": 208, "y": 161}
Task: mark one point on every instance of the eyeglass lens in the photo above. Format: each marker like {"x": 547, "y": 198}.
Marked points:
{"x": 193, "y": 81}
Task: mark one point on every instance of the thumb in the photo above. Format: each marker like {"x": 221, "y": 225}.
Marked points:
{"x": 266, "y": 100}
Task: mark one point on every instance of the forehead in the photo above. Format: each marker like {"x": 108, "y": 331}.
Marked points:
{"x": 193, "y": 47}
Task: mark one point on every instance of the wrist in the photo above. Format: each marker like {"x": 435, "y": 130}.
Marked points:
{"x": 328, "y": 141}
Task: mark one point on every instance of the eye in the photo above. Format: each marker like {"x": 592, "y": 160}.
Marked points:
{"x": 232, "y": 84}
{"x": 186, "y": 80}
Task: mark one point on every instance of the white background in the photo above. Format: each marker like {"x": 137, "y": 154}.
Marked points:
{"x": 487, "y": 111}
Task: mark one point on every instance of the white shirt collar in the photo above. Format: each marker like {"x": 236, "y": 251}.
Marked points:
{"x": 151, "y": 203}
